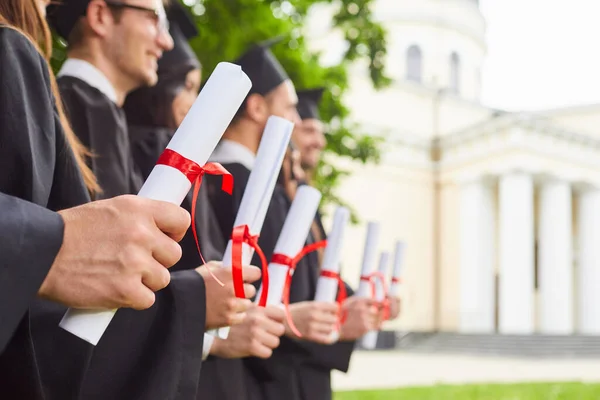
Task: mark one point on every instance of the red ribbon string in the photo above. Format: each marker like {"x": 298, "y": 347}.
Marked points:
{"x": 241, "y": 234}
{"x": 396, "y": 280}
{"x": 194, "y": 173}
{"x": 385, "y": 303}
{"x": 291, "y": 263}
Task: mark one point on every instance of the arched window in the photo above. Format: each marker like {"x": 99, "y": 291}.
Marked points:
{"x": 454, "y": 72}
{"x": 414, "y": 64}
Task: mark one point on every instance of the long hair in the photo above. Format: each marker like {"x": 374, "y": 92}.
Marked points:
{"x": 25, "y": 17}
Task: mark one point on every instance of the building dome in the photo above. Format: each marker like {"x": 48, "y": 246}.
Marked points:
{"x": 435, "y": 43}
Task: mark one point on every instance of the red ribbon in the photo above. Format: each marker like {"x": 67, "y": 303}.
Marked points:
{"x": 396, "y": 280}
{"x": 241, "y": 234}
{"x": 385, "y": 304}
{"x": 291, "y": 263}
{"x": 194, "y": 173}
{"x": 341, "y": 296}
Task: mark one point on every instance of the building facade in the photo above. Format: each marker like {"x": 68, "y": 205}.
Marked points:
{"x": 500, "y": 212}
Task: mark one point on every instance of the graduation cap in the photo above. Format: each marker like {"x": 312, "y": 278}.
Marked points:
{"x": 308, "y": 103}
{"x": 261, "y": 66}
{"x": 63, "y": 15}
{"x": 182, "y": 28}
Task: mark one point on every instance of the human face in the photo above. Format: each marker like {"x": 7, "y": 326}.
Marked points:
{"x": 137, "y": 40}
{"x": 282, "y": 102}
{"x": 186, "y": 97}
{"x": 309, "y": 138}
{"x": 42, "y": 4}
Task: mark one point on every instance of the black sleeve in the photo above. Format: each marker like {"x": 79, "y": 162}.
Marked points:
{"x": 153, "y": 354}
{"x": 30, "y": 237}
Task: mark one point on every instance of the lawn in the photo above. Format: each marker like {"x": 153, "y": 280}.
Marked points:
{"x": 534, "y": 391}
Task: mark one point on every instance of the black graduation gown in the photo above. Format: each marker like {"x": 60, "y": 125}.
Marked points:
{"x": 30, "y": 237}
{"x": 41, "y": 360}
{"x": 102, "y": 127}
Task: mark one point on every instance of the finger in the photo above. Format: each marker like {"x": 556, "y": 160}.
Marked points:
{"x": 240, "y": 305}
{"x": 156, "y": 277}
{"x": 325, "y": 318}
{"x": 322, "y": 328}
{"x": 273, "y": 327}
{"x": 268, "y": 340}
{"x": 261, "y": 351}
{"x": 323, "y": 338}
{"x": 141, "y": 298}
{"x": 165, "y": 250}
{"x": 329, "y": 308}
{"x": 236, "y": 318}
{"x": 275, "y": 313}
{"x": 169, "y": 218}
{"x": 251, "y": 273}
{"x": 249, "y": 290}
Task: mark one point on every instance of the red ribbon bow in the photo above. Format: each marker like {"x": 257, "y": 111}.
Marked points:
{"x": 291, "y": 263}
{"x": 241, "y": 234}
{"x": 194, "y": 173}
{"x": 385, "y": 303}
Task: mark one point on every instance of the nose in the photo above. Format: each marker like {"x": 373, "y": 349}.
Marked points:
{"x": 321, "y": 139}
{"x": 164, "y": 39}
{"x": 296, "y": 117}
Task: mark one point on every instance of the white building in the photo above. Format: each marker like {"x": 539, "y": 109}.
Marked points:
{"x": 500, "y": 211}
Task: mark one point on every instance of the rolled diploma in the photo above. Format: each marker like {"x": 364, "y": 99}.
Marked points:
{"x": 327, "y": 287}
{"x": 397, "y": 268}
{"x": 364, "y": 288}
{"x": 260, "y": 186}
{"x": 195, "y": 139}
{"x": 292, "y": 239}
{"x": 369, "y": 341}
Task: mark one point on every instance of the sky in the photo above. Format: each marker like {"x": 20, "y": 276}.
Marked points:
{"x": 541, "y": 53}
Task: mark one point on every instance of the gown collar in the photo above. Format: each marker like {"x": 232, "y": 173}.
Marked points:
{"x": 229, "y": 152}
{"x": 89, "y": 74}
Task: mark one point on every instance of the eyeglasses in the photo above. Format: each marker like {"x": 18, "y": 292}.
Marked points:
{"x": 162, "y": 23}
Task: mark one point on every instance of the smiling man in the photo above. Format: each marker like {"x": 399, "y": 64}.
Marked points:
{"x": 113, "y": 48}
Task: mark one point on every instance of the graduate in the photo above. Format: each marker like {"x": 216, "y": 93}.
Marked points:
{"x": 41, "y": 162}
{"x": 113, "y": 49}
{"x": 153, "y": 114}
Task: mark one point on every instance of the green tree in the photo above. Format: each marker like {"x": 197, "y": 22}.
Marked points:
{"x": 228, "y": 27}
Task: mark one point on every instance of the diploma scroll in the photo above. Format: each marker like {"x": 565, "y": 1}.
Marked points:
{"x": 195, "y": 140}
{"x": 327, "y": 286}
{"x": 369, "y": 341}
{"x": 292, "y": 239}
{"x": 397, "y": 269}
{"x": 260, "y": 186}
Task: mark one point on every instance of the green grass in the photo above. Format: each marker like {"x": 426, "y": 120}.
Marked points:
{"x": 526, "y": 391}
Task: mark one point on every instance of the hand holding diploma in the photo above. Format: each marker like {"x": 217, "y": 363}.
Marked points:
{"x": 256, "y": 336}
{"x": 362, "y": 316}
{"x": 315, "y": 320}
{"x": 223, "y": 308}
{"x": 139, "y": 241}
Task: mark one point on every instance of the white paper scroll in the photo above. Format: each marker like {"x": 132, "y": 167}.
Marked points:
{"x": 368, "y": 263}
{"x": 368, "y": 266}
{"x": 397, "y": 269}
{"x": 195, "y": 139}
{"x": 369, "y": 341}
{"x": 259, "y": 189}
{"x": 327, "y": 287}
{"x": 292, "y": 239}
